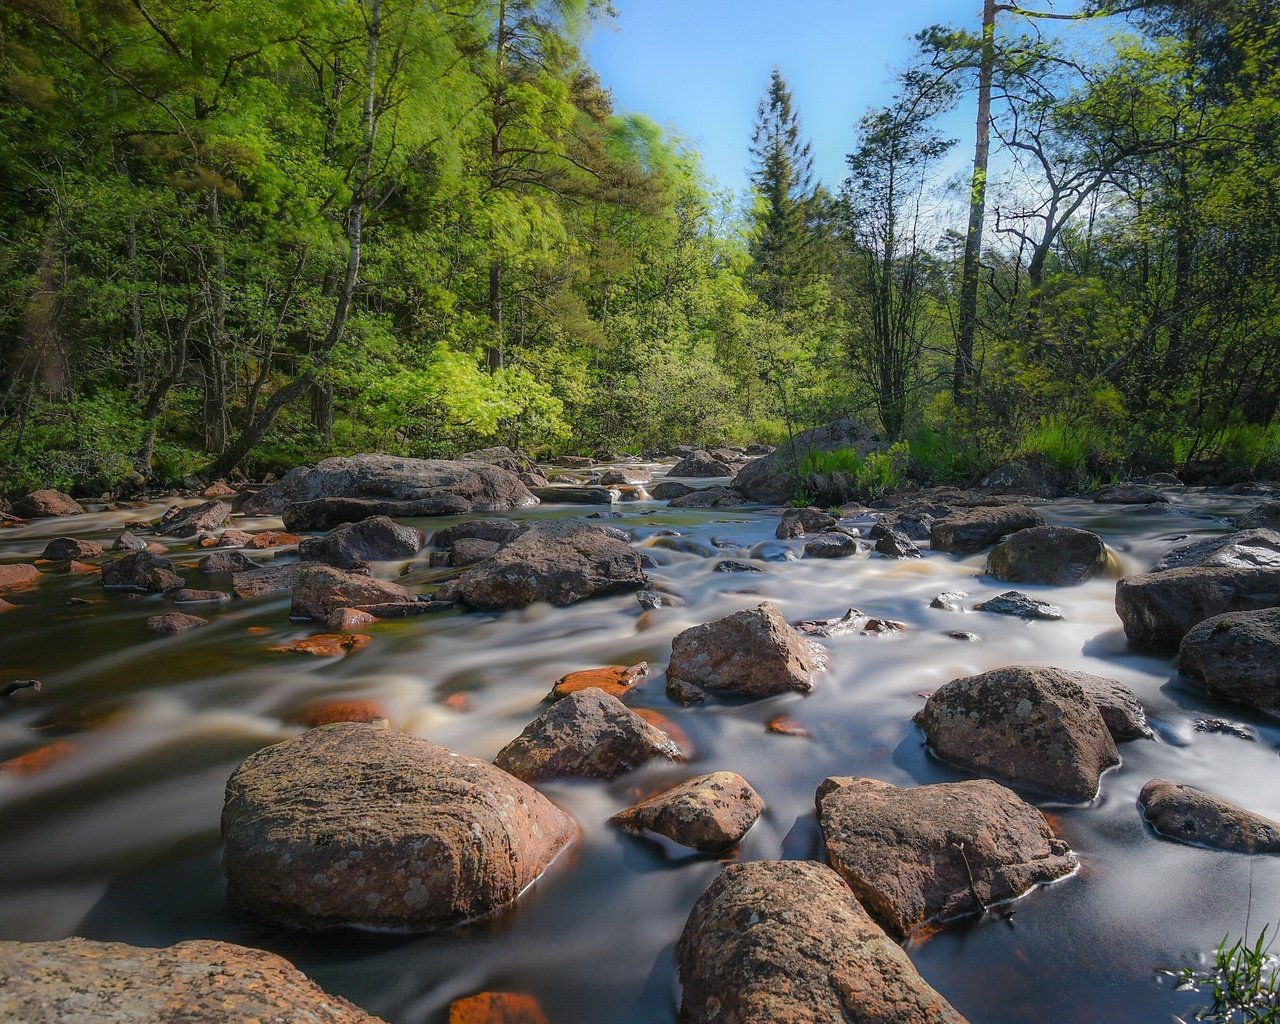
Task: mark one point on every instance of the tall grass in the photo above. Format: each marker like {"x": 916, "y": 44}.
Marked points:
{"x": 1242, "y": 981}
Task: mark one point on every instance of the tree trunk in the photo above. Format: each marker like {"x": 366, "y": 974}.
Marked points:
{"x": 965, "y": 371}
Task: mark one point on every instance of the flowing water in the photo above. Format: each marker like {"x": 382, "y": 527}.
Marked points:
{"x": 119, "y": 840}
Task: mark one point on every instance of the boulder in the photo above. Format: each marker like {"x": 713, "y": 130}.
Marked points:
{"x": 798, "y": 522}
{"x": 268, "y": 579}
{"x": 46, "y": 504}
{"x": 497, "y": 1008}
{"x": 831, "y": 545}
{"x": 949, "y": 601}
{"x": 1236, "y": 657}
{"x": 234, "y": 538}
{"x": 1192, "y": 816}
{"x": 786, "y": 942}
{"x": 1159, "y": 608}
{"x": 915, "y": 854}
{"x": 668, "y": 489}
{"x": 751, "y": 653}
{"x": 1034, "y": 728}
{"x": 895, "y": 544}
{"x": 586, "y": 734}
{"x": 64, "y": 549}
{"x": 230, "y": 561}
{"x": 560, "y": 495}
{"x": 501, "y": 456}
{"x": 557, "y": 561}
{"x": 1027, "y": 474}
{"x": 17, "y": 574}
{"x": 1244, "y": 549}
{"x": 188, "y": 595}
{"x": 396, "y": 487}
{"x": 499, "y": 531}
{"x": 1122, "y": 712}
{"x": 193, "y": 519}
{"x": 914, "y": 525}
{"x": 700, "y": 464}
{"x": 470, "y": 550}
{"x": 1265, "y": 516}
{"x": 1129, "y": 494}
{"x": 625, "y": 475}
{"x": 968, "y": 530}
{"x": 1059, "y": 556}
{"x": 708, "y": 497}
{"x": 772, "y": 478}
{"x": 351, "y": 824}
{"x": 1023, "y": 606}
{"x": 174, "y": 622}
{"x": 321, "y": 590}
{"x": 198, "y": 982}
{"x": 140, "y": 570}
{"x": 377, "y": 539}
{"x": 710, "y": 813}
{"x": 129, "y": 542}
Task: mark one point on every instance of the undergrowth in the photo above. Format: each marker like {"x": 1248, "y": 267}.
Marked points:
{"x": 1242, "y": 980}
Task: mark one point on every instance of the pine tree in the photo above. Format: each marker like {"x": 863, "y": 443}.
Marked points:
{"x": 782, "y": 175}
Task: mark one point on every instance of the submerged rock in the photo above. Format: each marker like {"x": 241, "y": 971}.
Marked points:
{"x": 1027, "y": 726}
{"x": 1055, "y": 555}
{"x": 1236, "y": 656}
{"x": 709, "y": 813}
{"x": 1159, "y": 608}
{"x": 352, "y": 824}
{"x": 396, "y": 487}
{"x": 558, "y": 561}
{"x": 913, "y": 854}
{"x": 174, "y": 622}
{"x": 1190, "y": 815}
{"x": 17, "y": 574}
{"x": 786, "y": 942}
{"x": 615, "y": 680}
{"x": 197, "y": 982}
{"x": 1129, "y": 494}
{"x": 588, "y": 735}
{"x": 377, "y": 539}
{"x": 751, "y": 653}
{"x": 46, "y": 504}
{"x": 968, "y": 530}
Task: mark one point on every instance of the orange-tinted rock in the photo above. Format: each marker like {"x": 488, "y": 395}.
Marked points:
{"x": 63, "y": 549}
{"x": 785, "y": 725}
{"x": 234, "y": 539}
{"x": 6, "y": 606}
{"x": 497, "y": 1008}
{"x": 661, "y": 721}
{"x": 346, "y": 620}
{"x": 38, "y": 760}
{"x": 43, "y": 504}
{"x": 709, "y": 813}
{"x": 326, "y": 645}
{"x": 271, "y": 539}
{"x": 615, "y": 680}
{"x": 19, "y": 575}
{"x": 460, "y": 702}
{"x": 174, "y": 622}
{"x": 218, "y": 489}
{"x": 365, "y": 711}
{"x": 257, "y": 630}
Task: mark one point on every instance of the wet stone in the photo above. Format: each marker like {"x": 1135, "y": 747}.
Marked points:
{"x": 1189, "y": 815}
{"x": 949, "y": 601}
{"x": 170, "y": 623}
{"x": 731, "y": 565}
{"x": 831, "y": 545}
{"x": 709, "y": 813}
{"x": 1013, "y": 602}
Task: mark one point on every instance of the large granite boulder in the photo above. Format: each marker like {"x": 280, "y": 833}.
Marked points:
{"x": 46, "y": 504}
{"x": 353, "y": 824}
{"x": 700, "y": 464}
{"x": 558, "y": 561}
{"x": 140, "y": 570}
{"x": 1159, "y": 608}
{"x": 187, "y": 521}
{"x": 709, "y": 813}
{"x": 498, "y": 531}
{"x": 1244, "y": 549}
{"x": 321, "y": 590}
{"x": 1236, "y": 656}
{"x": 1056, "y": 555}
{"x": 799, "y": 522}
{"x": 377, "y": 539}
{"x": 752, "y": 653}
{"x": 74, "y": 981}
{"x": 586, "y": 735}
{"x": 708, "y": 497}
{"x": 965, "y": 531}
{"x": 1264, "y": 516}
{"x": 772, "y": 478}
{"x": 786, "y": 942}
{"x": 1027, "y": 474}
{"x": 391, "y": 486}
{"x": 915, "y": 854}
{"x": 1031, "y": 727}
{"x": 1192, "y": 816}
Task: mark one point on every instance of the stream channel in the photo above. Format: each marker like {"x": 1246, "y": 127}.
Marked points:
{"x": 119, "y": 841}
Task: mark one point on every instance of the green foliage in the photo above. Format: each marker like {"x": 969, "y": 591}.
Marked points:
{"x": 1242, "y": 980}
{"x": 842, "y": 474}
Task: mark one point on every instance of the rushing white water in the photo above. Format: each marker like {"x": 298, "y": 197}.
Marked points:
{"x": 119, "y": 840}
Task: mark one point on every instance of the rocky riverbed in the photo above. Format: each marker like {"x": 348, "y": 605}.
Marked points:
{"x": 787, "y": 670}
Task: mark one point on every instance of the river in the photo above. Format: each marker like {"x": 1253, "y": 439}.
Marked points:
{"x": 119, "y": 840}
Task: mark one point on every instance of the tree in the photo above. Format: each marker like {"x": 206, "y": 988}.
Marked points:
{"x": 782, "y": 176}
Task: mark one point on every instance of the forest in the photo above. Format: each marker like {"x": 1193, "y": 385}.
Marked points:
{"x": 239, "y": 236}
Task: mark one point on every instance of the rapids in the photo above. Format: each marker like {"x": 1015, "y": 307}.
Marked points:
{"x": 119, "y": 841}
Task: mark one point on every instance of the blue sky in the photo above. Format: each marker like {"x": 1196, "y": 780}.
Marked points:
{"x": 701, "y": 66}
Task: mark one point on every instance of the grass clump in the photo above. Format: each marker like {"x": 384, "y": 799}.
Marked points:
{"x": 829, "y": 478}
{"x": 1242, "y": 980}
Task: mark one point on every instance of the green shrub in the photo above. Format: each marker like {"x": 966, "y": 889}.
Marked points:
{"x": 840, "y": 475}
